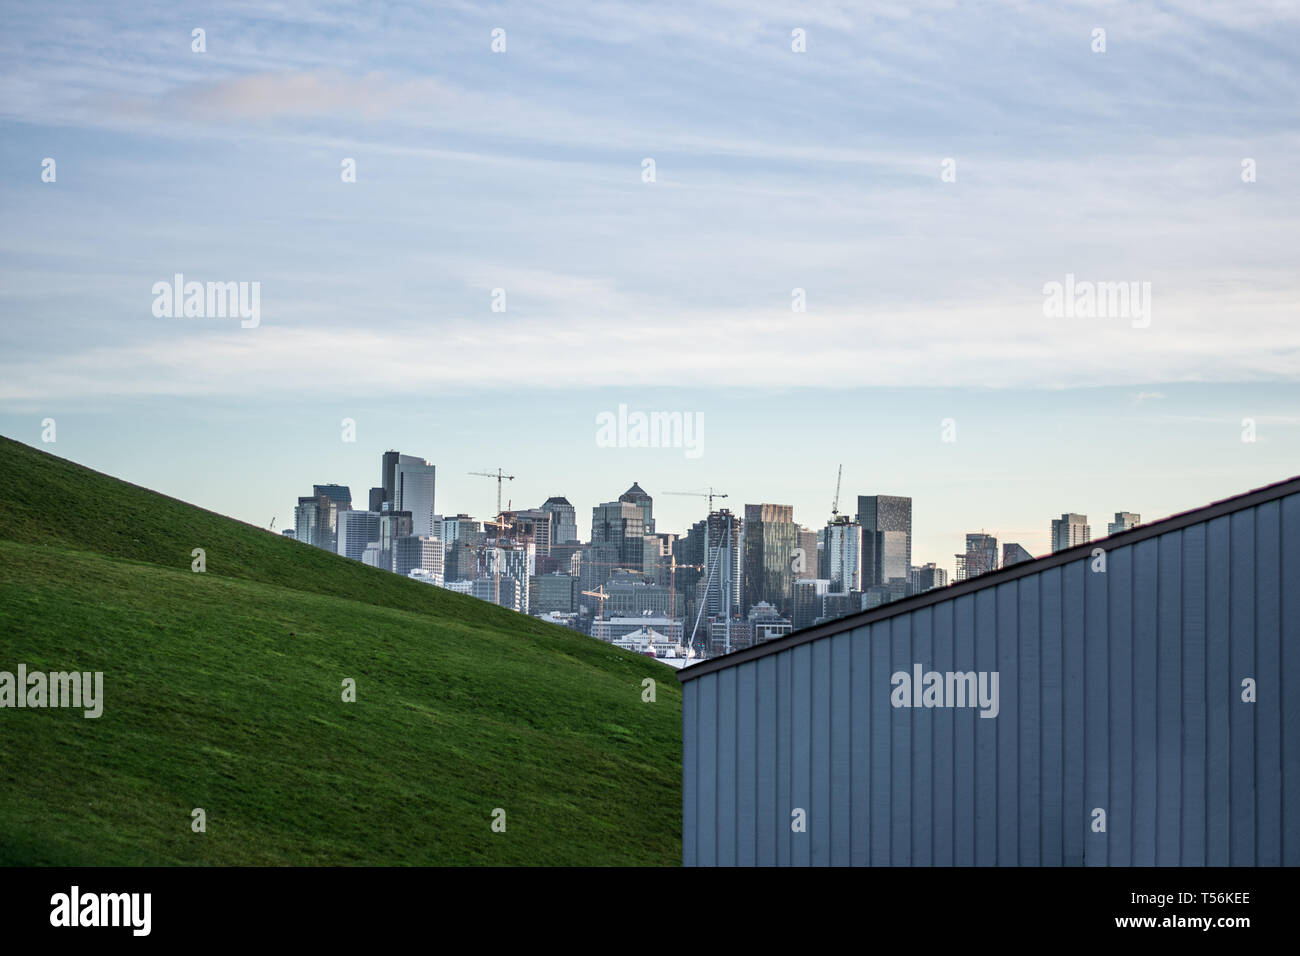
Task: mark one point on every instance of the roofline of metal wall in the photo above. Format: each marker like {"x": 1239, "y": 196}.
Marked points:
{"x": 993, "y": 578}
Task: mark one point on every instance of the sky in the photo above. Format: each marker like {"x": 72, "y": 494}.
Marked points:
{"x": 921, "y": 173}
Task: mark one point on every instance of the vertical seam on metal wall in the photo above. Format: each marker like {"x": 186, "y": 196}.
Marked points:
{"x": 1227, "y": 673}
{"x": 997, "y": 744}
{"x": 911, "y": 756}
{"x": 933, "y": 721}
{"x": 1038, "y": 604}
{"x": 1254, "y": 658}
{"x": 1182, "y": 697}
{"x": 1281, "y": 674}
{"x": 852, "y": 723}
{"x": 1060, "y": 606}
{"x": 1205, "y": 695}
{"x": 1132, "y": 704}
{"x": 1083, "y": 705}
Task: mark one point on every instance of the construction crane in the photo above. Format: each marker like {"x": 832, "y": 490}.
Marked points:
{"x": 272, "y": 528}
{"x": 847, "y": 582}
{"x": 500, "y": 477}
{"x": 710, "y": 494}
{"x": 600, "y": 595}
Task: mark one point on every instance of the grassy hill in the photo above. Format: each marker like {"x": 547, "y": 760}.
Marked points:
{"x": 222, "y": 690}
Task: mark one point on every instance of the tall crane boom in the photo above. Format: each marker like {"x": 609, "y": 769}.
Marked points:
{"x": 835, "y": 505}
{"x": 710, "y": 494}
{"x": 500, "y": 477}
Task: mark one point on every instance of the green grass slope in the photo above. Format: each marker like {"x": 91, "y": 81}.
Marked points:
{"x": 222, "y": 691}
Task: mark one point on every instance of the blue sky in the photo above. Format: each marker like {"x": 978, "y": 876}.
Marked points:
{"x": 775, "y": 170}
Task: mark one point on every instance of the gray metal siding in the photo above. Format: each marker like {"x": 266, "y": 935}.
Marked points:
{"x": 1118, "y": 690}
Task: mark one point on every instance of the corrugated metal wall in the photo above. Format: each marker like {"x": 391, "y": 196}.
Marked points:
{"x": 1119, "y": 690}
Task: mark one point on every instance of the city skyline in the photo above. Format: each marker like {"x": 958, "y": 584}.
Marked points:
{"x": 632, "y": 508}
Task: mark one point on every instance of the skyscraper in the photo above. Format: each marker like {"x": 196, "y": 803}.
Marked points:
{"x": 1069, "y": 530}
{"x": 657, "y": 550}
{"x": 315, "y": 521}
{"x": 722, "y": 562}
{"x": 392, "y": 525}
{"x": 462, "y": 538}
{"x": 645, "y": 505}
{"x": 886, "y": 522}
{"x": 981, "y": 556}
{"x": 356, "y": 529}
{"x": 532, "y": 524}
{"x": 771, "y": 538}
{"x": 419, "y": 551}
{"x": 388, "y": 475}
{"x": 809, "y": 595}
{"x": 617, "y": 533}
{"x": 1123, "y": 521}
{"x": 843, "y": 551}
{"x": 413, "y": 487}
{"x": 341, "y": 495}
{"x": 564, "y": 520}
{"x": 805, "y": 561}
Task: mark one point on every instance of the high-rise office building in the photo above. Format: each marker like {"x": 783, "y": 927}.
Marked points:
{"x": 341, "y": 495}
{"x": 564, "y": 520}
{"x": 631, "y": 595}
{"x": 510, "y": 561}
{"x": 722, "y": 562}
{"x": 387, "y": 477}
{"x": 419, "y": 551}
{"x": 413, "y": 488}
{"x": 1013, "y": 553}
{"x": 886, "y": 522}
{"x": 356, "y": 529}
{"x": 532, "y": 524}
{"x": 808, "y": 600}
{"x": 1123, "y": 521}
{"x": 770, "y": 537}
{"x": 315, "y": 521}
{"x": 843, "y": 552}
{"x": 981, "y": 556}
{"x": 657, "y": 551}
{"x": 552, "y": 592}
{"x": 804, "y": 562}
{"x": 1069, "y": 530}
{"x": 392, "y": 525}
{"x": 462, "y": 539}
{"x": 376, "y": 500}
{"x": 645, "y": 505}
{"x": 617, "y": 533}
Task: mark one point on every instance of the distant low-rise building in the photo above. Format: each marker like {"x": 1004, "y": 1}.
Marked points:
{"x": 927, "y": 577}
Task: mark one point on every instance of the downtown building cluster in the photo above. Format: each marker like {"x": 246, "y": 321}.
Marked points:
{"x": 732, "y": 580}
